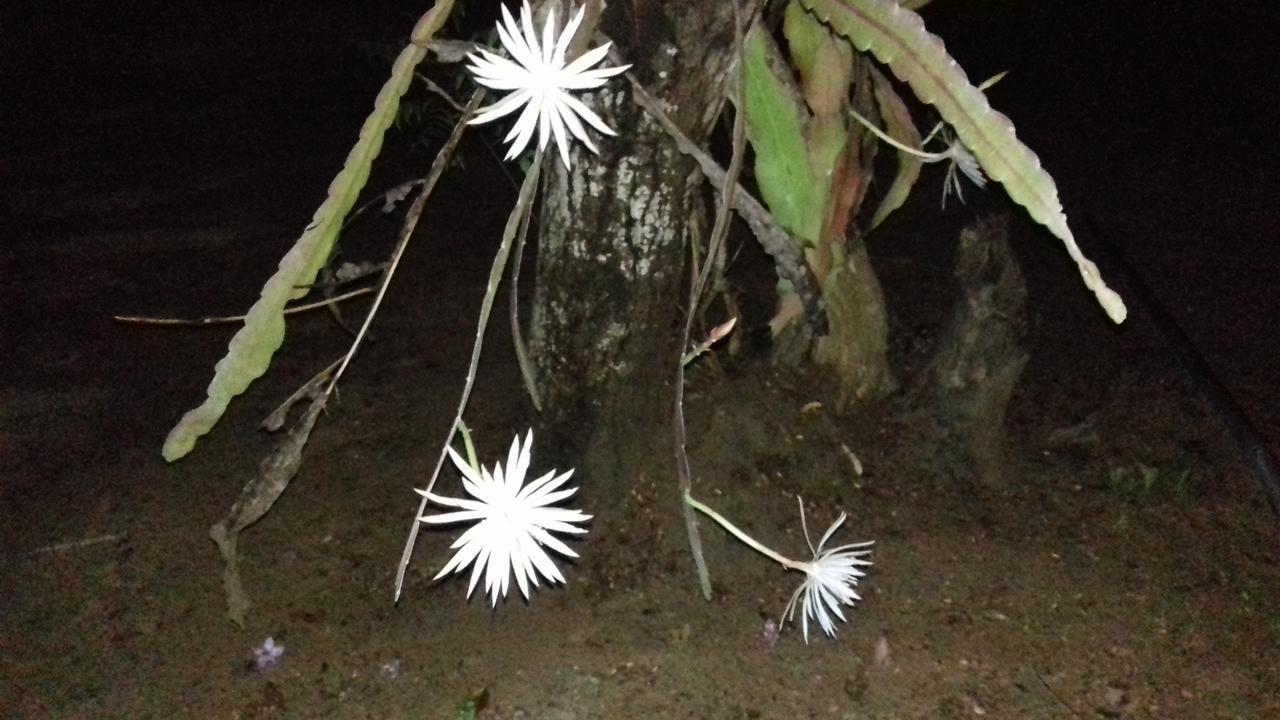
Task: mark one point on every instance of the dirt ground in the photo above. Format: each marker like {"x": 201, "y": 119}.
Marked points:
{"x": 1079, "y": 592}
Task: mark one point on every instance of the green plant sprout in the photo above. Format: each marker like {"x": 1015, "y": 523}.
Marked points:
{"x": 1141, "y": 481}
{"x": 468, "y": 447}
{"x": 471, "y": 708}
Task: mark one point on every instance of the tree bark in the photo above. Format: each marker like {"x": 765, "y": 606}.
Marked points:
{"x": 857, "y": 349}
{"x": 612, "y": 246}
{"x": 967, "y": 387}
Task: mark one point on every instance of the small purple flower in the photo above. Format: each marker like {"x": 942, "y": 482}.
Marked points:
{"x": 771, "y": 633}
{"x": 268, "y": 656}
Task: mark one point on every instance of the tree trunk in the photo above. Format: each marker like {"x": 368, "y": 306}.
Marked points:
{"x": 857, "y": 348}
{"x": 612, "y": 246}
{"x": 967, "y": 387}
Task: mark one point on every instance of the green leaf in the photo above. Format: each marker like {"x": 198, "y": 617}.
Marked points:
{"x": 804, "y": 34}
{"x": 825, "y": 65}
{"x": 897, "y": 37}
{"x": 251, "y": 349}
{"x": 776, "y": 126}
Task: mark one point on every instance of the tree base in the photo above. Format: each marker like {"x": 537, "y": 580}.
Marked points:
{"x": 964, "y": 391}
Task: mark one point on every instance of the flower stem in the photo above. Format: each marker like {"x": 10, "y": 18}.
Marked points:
{"x": 524, "y": 203}
{"x": 884, "y": 137}
{"x": 741, "y": 535}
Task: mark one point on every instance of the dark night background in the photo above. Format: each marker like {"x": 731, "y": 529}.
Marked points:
{"x": 159, "y": 158}
{"x": 1094, "y": 69}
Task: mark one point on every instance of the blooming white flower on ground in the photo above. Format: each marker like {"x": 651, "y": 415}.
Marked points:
{"x": 541, "y": 82}
{"x": 513, "y": 522}
{"x": 829, "y": 580}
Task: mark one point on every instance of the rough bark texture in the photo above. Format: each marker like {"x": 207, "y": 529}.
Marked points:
{"x": 611, "y": 253}
{"x": 856, "y": 349}
{"x": 968, "y": 384}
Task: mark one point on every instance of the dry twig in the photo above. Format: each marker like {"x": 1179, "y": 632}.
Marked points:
{"x": 143, "y": 320}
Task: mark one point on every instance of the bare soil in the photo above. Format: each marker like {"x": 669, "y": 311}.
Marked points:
{"x": 1079, "y": 592}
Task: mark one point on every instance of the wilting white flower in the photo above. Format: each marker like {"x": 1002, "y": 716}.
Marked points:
{"x": 964, "y": 161}
{"x": 959, "y": 156}
{"x": 513, "y": 522}
{"x": 541, "y": 82}
{"x": 829, "y": 580}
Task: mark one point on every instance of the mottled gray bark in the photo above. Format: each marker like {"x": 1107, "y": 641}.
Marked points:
{"x": 970, "y": 380}
{"x": 611, "y": 253}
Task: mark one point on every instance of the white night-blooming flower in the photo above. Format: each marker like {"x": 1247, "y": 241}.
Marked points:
{"x": 541, "y": 82}
{"x": 513, "y": 523}
{"x": 829, "y": 580}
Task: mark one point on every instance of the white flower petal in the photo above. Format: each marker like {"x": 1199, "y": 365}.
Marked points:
{"x": 522, "y": 46}
{"x": 539, "y": 80}
{"x": 829, "y": 581}
{"x": 563, "y": 527}
{"x": 530, "y": 37}
{"x": 546, "y": 111}
{"x": 557, "y": 128}
{"x": 576, "y": 129}
{"x": 543, "y": 485}
{"x": 523, "y": 129}
{"x": 548, "y": 36}
{"x": 543, "y": 562}
{"x": 478, "y": 565}
{"x": 470, "y": 535}
{"x": 497, "y": 571}
{"x": 555, "y": 497}
{"x": 458, "y": 561}
{"x": 547, "y": 539}
{"x": 513, "y": 523}
{"x": 491, "y": 69}
{"x": 589, "y": 79}
{"x": 453, "y": 517}
{"x": 463, "y": 503}
{"x": 521, "y": 565}
{"x": 968, "y": 164}
{"x": 585, "y": 113}
{"x": 582, "y": 65}
{"x": 467, "y": 471}
{"x": 827, "y": 535}
{"x": 502, "y": 108}
{"x": 828, "y": 596}
{"x": 518, "y": 463}
{"x": 566, "y": 37}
